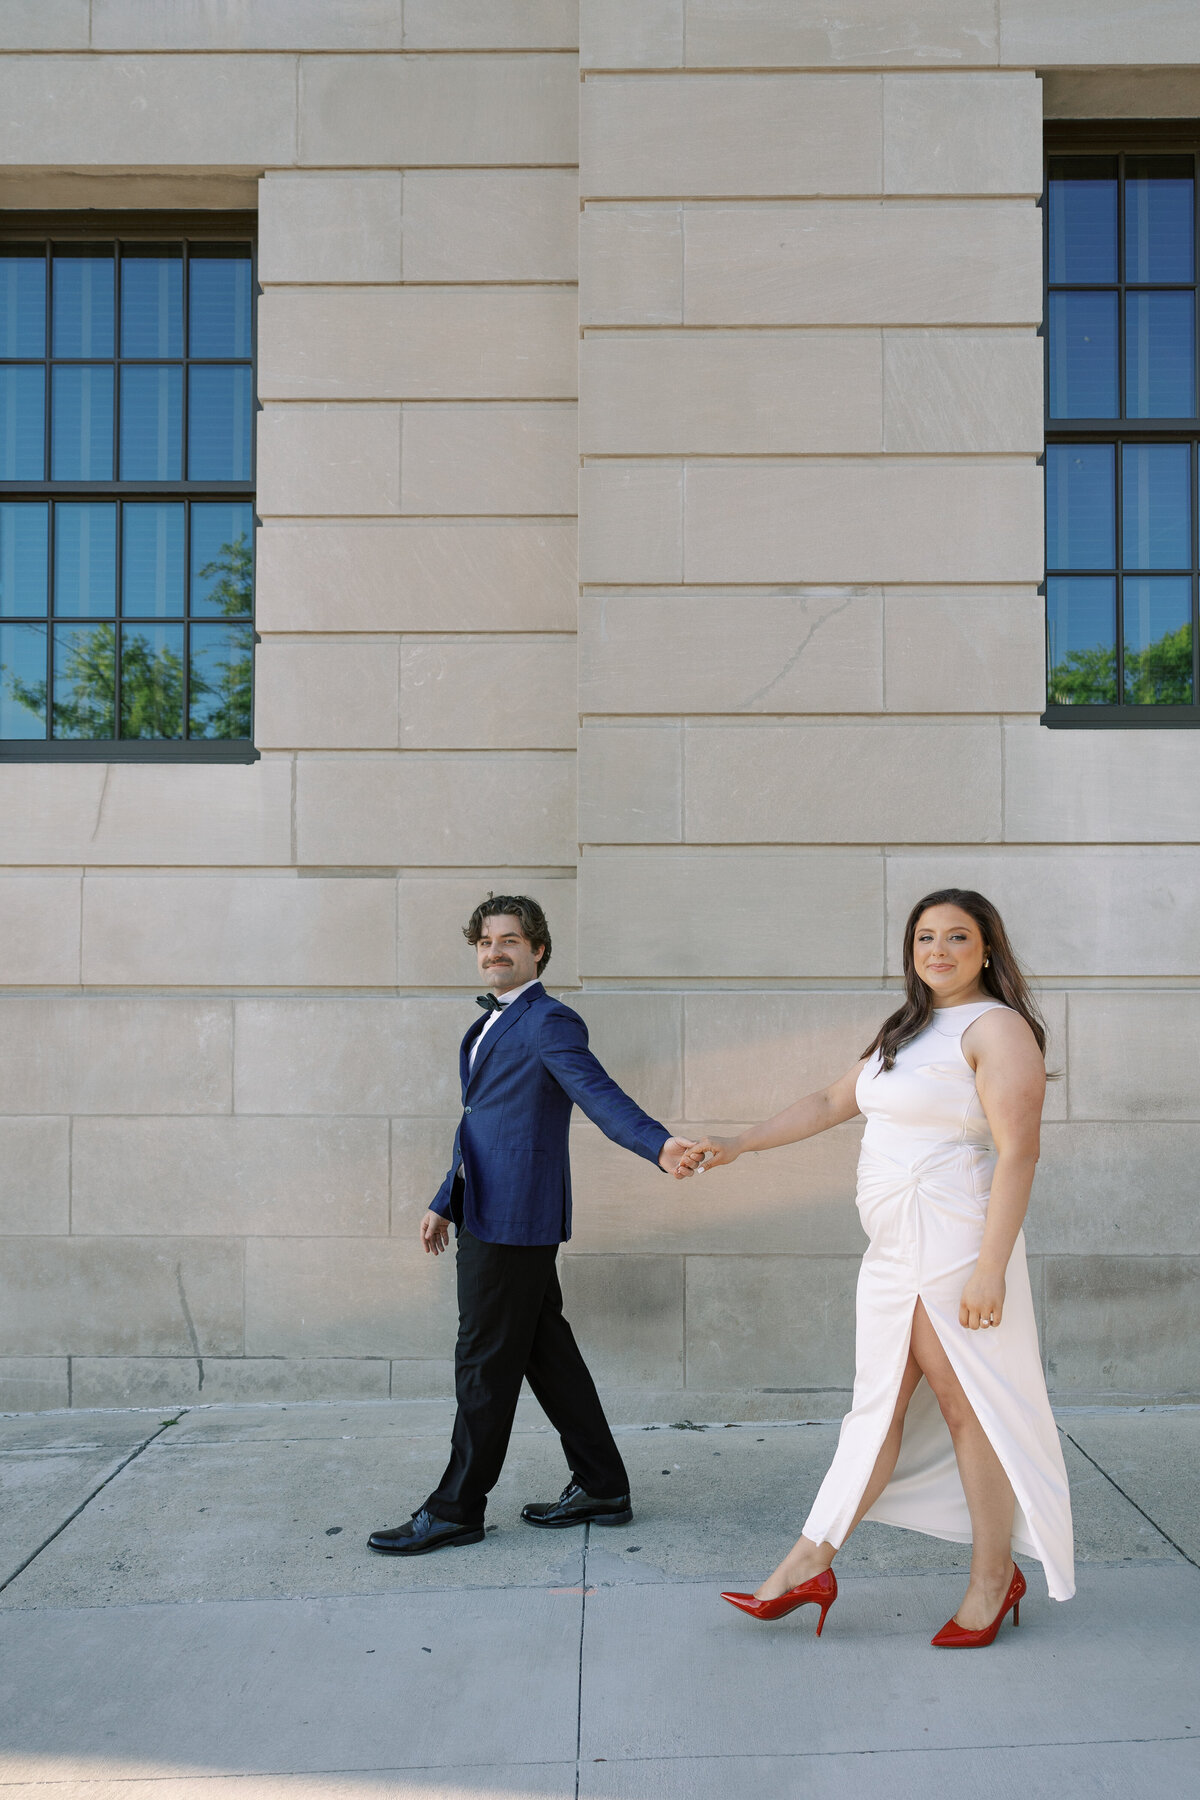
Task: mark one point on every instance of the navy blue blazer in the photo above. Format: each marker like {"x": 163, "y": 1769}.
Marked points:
{"x": 532, "y": 1067}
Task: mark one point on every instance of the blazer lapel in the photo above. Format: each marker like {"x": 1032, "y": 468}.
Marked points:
{"x": 464, "y": 1050}
{"x": 505, "y": 1022}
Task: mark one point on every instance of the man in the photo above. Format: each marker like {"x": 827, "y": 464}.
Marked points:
{"x": 523, "y": 1065}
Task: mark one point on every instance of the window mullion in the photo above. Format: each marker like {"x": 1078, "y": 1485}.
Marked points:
{"x": 185, "y": 729}
{"x": 117, "y": 616}
{"x": 116, "y": 448}
{"x": 52, "y": 533}
{"x": 1121, "y": 300}
{"x": 1194, "y": 480}
{"x": 1119, "y": 572}
{"x": 1119, "y": 448}
{"x": 1194, "y": 463}
{"x": 120, "y": 511}
{"x": 185, "y": 366}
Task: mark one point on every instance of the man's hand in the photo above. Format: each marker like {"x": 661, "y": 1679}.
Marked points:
{"x": 710, "y": 1153}
{"x": 435, "y": 1233}
{"x": 670, "y": 1157}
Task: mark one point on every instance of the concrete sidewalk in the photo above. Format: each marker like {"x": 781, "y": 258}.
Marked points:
{"x": 188, "y": 1612}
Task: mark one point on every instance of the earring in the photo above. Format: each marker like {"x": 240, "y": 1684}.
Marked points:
{"x": 987, "y": 962}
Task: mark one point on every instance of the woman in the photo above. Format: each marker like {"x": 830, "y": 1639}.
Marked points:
{"x": 952, "y": 1090}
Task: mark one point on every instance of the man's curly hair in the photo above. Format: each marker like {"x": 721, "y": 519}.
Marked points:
{"x": 518, "y": 906}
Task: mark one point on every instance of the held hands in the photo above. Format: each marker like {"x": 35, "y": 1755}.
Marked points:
{"x": 982, "y": 1302}
{"x": 708, "y": 1153}
{"x": 671, "y": 1157}
{"x": 435, "y": 1233}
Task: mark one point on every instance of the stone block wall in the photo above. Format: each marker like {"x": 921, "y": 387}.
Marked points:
{"x": 234, "y": 995}
{"x": 812, "y": 650}
{"x": 798, "y": 644}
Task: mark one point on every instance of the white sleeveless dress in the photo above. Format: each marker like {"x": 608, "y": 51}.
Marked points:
{"x": 924, "y": 1176}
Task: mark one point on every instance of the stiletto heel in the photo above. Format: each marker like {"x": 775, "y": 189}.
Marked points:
{"x": 821, "y": 1590}
{"x": 953, "y": 1636}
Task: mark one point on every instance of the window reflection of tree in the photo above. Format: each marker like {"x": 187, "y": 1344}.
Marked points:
{"x": 151, "y": 689}
{"x": 220, "y": 696}
{"x": 83, "y": 706}
{"x": 1159, "y": 675}
{"x": 152, "y": 679}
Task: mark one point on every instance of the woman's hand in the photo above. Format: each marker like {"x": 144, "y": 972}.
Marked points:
{"x": 982, "y": 1302}
{"x": 709, "y": 1153}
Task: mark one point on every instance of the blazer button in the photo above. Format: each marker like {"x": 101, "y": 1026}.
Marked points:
{"x": 466, "y": 1109}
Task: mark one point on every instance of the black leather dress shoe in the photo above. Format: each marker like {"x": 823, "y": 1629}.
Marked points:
{"x": 422, "y": 1534}
{"x": 574, "y": 1507}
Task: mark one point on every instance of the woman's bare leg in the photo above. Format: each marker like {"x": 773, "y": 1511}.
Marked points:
{"x": 806, "y": 1559}
{"x": 990, "y": 1499}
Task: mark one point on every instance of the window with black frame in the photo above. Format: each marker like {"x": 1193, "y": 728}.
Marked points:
{"x": 1122, "y": 435}
{"x": 127, "y": 399}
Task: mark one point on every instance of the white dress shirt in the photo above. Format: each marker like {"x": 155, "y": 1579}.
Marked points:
{"x": 492, "y": 1016}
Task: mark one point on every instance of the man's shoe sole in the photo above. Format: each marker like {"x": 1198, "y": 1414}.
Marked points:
{"x": 618, "y": 1518}
{"x": 445, "y": 1543}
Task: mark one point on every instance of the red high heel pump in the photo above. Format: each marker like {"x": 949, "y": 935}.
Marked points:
{"x": 820, "y": 1591}
{"x": 953, "y": 1636}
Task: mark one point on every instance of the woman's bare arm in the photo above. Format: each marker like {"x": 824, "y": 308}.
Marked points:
{"x": 1010, "y": 1074}
{"x": 802, "y": 1119}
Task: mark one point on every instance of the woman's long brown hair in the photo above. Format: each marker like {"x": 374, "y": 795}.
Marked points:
{"x": 1002, "y": 979}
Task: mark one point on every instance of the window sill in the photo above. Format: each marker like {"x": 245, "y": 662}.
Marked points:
{"x": 105, "y": 750}
{"x": 1122, "y": 718}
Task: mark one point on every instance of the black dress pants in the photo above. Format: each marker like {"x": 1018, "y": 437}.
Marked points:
{"x": 511, "y": 1327}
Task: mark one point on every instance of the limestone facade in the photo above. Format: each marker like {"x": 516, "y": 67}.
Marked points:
{"x": 651, "y": 518}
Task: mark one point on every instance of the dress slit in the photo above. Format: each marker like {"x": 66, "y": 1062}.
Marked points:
{"x": 1026, "y": 1536}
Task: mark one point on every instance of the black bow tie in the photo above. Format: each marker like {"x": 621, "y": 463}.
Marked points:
{"x": 489, "y": 1003}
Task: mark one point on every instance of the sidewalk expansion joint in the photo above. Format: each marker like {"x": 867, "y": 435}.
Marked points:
{"x": 88, "y": 1498}
{"x": 583, "y": 1582}
{"x": 1140, "y": 1509}
{"x": 893, "y": 1750}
